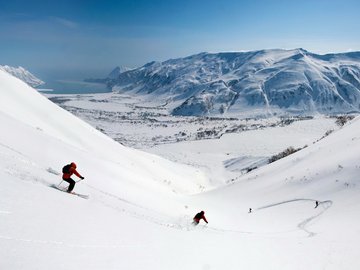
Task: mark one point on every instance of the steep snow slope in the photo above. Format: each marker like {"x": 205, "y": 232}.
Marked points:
{"x": 23, "y": 75}
{"x": 272, "y": 81}
{"x": 35, "y": 113}
{"x": 134, "y": 220}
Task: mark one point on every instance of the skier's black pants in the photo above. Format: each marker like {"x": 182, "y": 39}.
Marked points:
{"x": 71, "y": 182}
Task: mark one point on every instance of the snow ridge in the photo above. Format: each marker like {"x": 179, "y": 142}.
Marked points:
{"x": 23, "y": 74}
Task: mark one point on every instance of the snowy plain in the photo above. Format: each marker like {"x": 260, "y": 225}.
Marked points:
{"x": 140, "y": 206}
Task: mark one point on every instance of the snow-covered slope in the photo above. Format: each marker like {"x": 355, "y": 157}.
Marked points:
{"x": 23, "y": 75}
{"x": 138, "y": 213}
{"x": 273, "y": 81}
{"x": 53, "y": 137}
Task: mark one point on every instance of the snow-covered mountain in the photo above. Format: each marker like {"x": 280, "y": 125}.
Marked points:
{"x": 273, "y": 81}
{"x": 140, "y": 207}
{"x": 114, "y": 74}
{"x": 23, "y": 74}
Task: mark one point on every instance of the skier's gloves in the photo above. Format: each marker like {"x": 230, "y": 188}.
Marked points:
{"x": 82, "y": 178}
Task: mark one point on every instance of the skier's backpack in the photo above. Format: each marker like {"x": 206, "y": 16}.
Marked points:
{"x": 66, "y": 168}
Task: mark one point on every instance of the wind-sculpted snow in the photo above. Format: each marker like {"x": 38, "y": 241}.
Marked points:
{"x": 280, "y": 81}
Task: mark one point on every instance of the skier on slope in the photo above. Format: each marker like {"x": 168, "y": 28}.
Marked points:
{"x": 198, "y": 217}
{"x": 316, "y": 204}
{"x": 69, "y": 170}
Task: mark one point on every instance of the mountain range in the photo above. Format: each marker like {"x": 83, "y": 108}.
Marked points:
{"x": 23, "y": 74}
{"x": 267, "y": 82}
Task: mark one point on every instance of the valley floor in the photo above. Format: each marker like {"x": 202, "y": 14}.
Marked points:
{"x": 225, "y": 148}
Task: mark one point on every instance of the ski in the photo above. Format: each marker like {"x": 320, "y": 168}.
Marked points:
{"x": 79, "y": 195}
{"x": 72, "y": 193}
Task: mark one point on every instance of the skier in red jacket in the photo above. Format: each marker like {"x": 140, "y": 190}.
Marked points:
{"x": 68, "y": 171}
{"x": 198, "y": 217}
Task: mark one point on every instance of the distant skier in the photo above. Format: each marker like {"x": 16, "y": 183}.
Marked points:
{"x": 250, "y": 210}
{"x": 198, "y": 217}
{"x": 316, "y": 204}
{"x": 68, "y": 171}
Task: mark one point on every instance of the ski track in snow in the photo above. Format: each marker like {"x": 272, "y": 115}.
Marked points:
{"x": 283, "y": 202}
{"x": 25, "y": 174}
{"x": 183, "y": 224}
{"x": 303, "y": 225}
{"x": 135, "y": 214}
{"x": 140, "y": 212}
{"x": 159, "y": 219}
{"x": 325, "y": 205}
{"x": 60, "y": 243}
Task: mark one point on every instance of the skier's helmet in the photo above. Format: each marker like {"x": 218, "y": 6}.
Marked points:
{"x": 73, "y": 165}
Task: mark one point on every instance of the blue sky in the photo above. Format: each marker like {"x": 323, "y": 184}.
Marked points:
{"x": 92, "y": 37}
